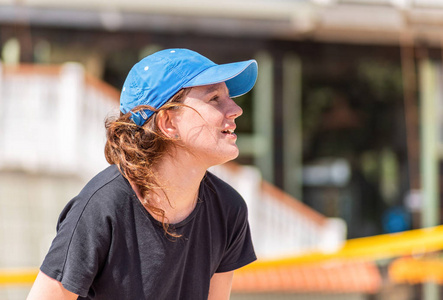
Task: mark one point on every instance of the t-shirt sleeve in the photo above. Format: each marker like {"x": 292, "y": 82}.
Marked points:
{"x": 80, "y": 247}
{"x": 240, "y": 250}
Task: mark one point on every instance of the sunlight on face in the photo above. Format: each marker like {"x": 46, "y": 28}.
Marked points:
{"x": 206, "y": 127}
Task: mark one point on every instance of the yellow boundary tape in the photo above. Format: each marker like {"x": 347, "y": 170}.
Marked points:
{"x": 17, "y": 276}
{"x": 368, "y": 248}
{"x": 377, "y": 247}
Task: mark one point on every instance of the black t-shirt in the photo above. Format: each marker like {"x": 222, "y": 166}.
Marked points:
{"x": 109, "y": 247}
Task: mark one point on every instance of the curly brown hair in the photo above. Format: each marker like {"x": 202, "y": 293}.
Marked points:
{"x": 135, "y": 149}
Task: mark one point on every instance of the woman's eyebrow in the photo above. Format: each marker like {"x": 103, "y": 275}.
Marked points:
{"x": 211, "y": 88}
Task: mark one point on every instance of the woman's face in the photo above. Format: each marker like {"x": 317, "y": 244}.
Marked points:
{"x": 206, "y": 127}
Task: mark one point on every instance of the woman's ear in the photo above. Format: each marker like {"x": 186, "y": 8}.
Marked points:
{"x": 166, "y": 122}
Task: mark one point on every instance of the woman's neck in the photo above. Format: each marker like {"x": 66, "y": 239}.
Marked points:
{"x": 179, "y": 180}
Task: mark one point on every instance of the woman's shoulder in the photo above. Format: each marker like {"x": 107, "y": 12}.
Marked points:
{"x": 103, "y": 194}
{"x": 219, "y": 183}
{"x": 223, "y": 191}
{"x": 109, "y": 182}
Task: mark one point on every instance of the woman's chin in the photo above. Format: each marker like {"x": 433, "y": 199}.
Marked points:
{"x": 231, "y": 155}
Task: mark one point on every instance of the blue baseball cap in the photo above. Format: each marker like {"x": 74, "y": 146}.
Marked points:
{"x": 157, "y": 77}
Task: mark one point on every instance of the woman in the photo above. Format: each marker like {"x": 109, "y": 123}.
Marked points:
{"x": 156, "y": 224}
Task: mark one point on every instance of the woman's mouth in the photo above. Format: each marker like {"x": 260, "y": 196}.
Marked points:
{"x": 228, "y": 131}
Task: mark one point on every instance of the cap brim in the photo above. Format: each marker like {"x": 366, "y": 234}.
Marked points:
{"x": 240, "y": 77}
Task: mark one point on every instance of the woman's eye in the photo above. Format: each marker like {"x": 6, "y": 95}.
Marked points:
{"x": 215, "y": 98}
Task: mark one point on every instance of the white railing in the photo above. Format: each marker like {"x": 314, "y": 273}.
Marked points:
{"x": 51, "y": 119}
{"x": 280, "y": 224}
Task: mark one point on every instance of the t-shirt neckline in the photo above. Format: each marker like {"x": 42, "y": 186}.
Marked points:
{"x": 172, "y": 225}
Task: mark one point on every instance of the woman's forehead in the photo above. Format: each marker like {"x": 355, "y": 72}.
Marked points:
{"x": 208, "y": 89}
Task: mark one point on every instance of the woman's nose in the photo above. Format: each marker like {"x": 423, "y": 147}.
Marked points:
{"x": 233, "y": 111}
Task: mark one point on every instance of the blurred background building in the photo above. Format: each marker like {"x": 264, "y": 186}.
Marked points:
{"x": 345, "y": 118}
